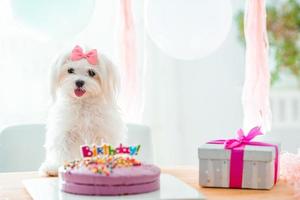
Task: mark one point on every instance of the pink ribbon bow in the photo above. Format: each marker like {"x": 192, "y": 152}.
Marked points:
{"x": 242, "y": 139}
{"x": 237, "y": 154}
{"x": 91, "y": 56}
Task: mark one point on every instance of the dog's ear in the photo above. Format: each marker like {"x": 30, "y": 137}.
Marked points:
{"x": 112, "y": 79}
{"x": 54, "y": 72}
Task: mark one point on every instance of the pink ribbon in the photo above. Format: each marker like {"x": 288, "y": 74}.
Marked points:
{"x": 131, "y": 73}
{"x": 255, "y": 98}
{"x": 91, "y": 56}
{"x": 237, "y": 154}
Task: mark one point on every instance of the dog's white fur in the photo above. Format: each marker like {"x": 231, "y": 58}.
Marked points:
{"x": 90, "y": 119}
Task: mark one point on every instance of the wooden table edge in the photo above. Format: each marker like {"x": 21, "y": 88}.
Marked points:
{"x": 11, "y": 186}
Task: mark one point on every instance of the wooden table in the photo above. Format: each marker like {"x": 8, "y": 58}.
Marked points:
{"x": 11, "y": 187}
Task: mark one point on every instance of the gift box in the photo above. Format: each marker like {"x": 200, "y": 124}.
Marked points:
{"x": 238, "y": 163}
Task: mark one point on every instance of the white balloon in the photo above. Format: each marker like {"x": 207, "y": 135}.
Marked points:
{"x": 188, "y": 29}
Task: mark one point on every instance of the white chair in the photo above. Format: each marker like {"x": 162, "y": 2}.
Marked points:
{"x": 140, "y": 134}
{"x": 21, "y": 146}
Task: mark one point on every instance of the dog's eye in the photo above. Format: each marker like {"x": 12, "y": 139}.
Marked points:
{"x": 91, "y": 73}
{"x": 70, "y": 70}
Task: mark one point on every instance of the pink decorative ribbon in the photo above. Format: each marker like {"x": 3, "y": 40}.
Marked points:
{"x": 91, "y": 56}
{"x": 255, "y": 99}
{"x": 131, "y": 73}
{"x": 237, "y": 154}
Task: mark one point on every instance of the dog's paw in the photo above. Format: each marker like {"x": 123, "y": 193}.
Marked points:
{"x": 48, "y": 169}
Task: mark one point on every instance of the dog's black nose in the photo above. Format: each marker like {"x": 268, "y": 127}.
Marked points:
{"x": 79, "y": 83}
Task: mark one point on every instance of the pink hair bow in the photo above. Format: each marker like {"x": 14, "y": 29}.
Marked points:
{"x": 91, "y": 56}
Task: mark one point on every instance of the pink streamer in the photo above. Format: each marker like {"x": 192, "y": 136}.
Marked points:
{"x": 257, "y": 77}
{"x": 130, "y": 83}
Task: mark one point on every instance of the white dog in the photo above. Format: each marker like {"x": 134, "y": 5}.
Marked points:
{"x": 84, "y": 111}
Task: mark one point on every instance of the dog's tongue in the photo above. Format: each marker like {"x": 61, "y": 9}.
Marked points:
{"x": 79, "y": 92}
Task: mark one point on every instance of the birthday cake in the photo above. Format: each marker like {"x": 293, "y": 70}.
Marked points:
{"x": 104, "y": 170}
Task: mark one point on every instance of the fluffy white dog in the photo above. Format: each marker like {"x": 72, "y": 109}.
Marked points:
{"x": 84, "y": 88}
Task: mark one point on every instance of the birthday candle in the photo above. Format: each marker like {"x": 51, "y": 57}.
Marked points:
{"x": 105, "y": 149}
{"x": 86, "y": 152}
{"x": 94, "y": 150}
{"x": 99, "y": 150}
{"x": 120, "y": 149}
{"x": 138, "y": 148}
{"x": 112, "y": 151}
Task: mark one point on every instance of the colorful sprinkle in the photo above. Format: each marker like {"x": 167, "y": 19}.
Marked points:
{"x": 104, "y": 164}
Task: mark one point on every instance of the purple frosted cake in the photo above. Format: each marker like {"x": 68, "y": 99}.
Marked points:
{"x": 108, "y": 175}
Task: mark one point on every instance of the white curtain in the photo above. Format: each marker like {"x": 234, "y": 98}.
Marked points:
{"x": 23, "y": 67}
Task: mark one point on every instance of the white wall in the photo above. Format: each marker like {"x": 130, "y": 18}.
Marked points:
{"x": 211, "y": 94}
{"x": 201, "y": 99}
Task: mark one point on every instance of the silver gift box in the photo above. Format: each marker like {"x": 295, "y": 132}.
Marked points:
{"x": 258, "y": 170}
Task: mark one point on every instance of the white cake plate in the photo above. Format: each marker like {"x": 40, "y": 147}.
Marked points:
{"x": 170, "y": 188}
